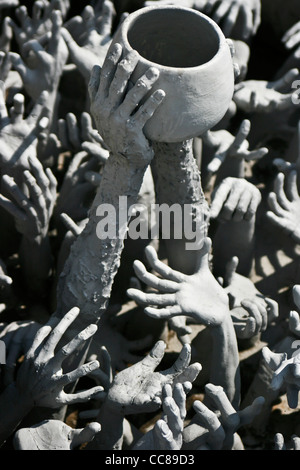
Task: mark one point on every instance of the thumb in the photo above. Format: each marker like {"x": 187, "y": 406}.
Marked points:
{"x": 87, "y": 434}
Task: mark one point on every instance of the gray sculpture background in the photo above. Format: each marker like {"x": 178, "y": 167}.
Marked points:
{"x": 145, "y": 326}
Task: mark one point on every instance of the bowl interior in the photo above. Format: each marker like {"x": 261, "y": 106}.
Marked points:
{"x": 174, "y": 37}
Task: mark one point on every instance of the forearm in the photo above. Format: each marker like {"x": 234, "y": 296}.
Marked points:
{"x": 89, "y": 271}
{"x": 178, "y": 182}
{"x": 13, "y": 408}
{"x": 224, "y": 369}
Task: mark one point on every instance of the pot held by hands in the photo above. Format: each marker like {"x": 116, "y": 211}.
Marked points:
{"x": 195, "y": 64}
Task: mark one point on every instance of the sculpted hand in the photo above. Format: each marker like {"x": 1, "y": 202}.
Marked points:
{"x": 167, "y": 432}
{"x": 113, "y": 109}
{"x": 98, "y": 36}
{"x": 32, "y": 213}
{"x": 41, "y": 379}
{"x": 291, "y": 38}
{"x": 230, "y": 13}
{"x": 251, "y": 312}
{"x": 199, "y": 296}
{"x": 37, "y": 26}
{"x": 221, "y": 425}
{"x": 285, "y": 205}
{"x": 235, "y": 199}
{"x": 54, "y": 435}
{"x": 138, "y": 389}
{"x": 47, "y": 63}
{"x": 258, "y": 96}
{"x": 18, "y": 135}
{"x": 286, "y": 372}
{"x": 75, "y": 138}
{"x": 226, "y": 145}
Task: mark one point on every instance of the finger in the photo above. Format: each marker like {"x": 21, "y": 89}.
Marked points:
{"x": 47, "y": 352}
{"x": 70, "y": 224}
{"x": 254, "y": 312}
{"x": 231, "y": 203}
{"x": 252, "y": 208}
{"x": 19, "y": 65}
{"x": 73, "y": 130}
{"x": 146, "y": 111}
{"x": 17, "y": 111}
{"x": 203, "y": 254}
{"x": 293, "y": 41}
{"x": 279, "y": 442}
{"x": 57, "y": 22}
{"x": 242, "y": 134}
{"x": 161, "y": 268}
{"x": 245, "y": 330}
{"x": 231, "y": 268}
{"x": 221, "y": 11}
{"x": 179, "y": 396}
{"x": 86, "y": 126}
{"x": 250, "y": 412}
{"x": 216, "y": 433}
{"x": 189, "y": 374}
{"x": 291, "y": 187}
{"x": 77, "y": 374}
{"x": 242, "y": 206}
{"x": 162, "y": 285}
{"x": 276, "y": 208}
{"x": 41, "y": 335}
{"x": 254, "y": 154}
{"x": 173, "y": 419}
{"x": 95, "y": 393}
{"x": 108, "y": 14}
{"x": 294, "y": 322}
{"x": 105, "y": 361}
{"x": 154, "y": 358}
{"x": 109, "y": 69}
{"x": 3, "y": 108}
{"x": 19, "y": 197}
{"x": 164, "y": 436}
{"x": 264, "y": 314}
{"x": 94, "y": 82}
{"x": 81, "y": 436}
{"x": 230, "y": 20}
{"x": 248, "y": 22}
{"x": 95, "y": 150}
{"x": 38, "y": 109}
{"x": 273, "y": 309}
{"x": 164, "y": 313}
{"x": 36, "y": 196}
{"x": 121, "y": 78}
{"x": 22, "y": 15}
{"x": 290, "y": 32}
{"x": 35, "y": 46}
{"x": 286, "y": 81}
{"x": 181, "y": 363}
{"x": 219, "y": 196}
{"x": 142, "y": 298}
{"x": 38, "y": 172}
{"x": 138, "y": 91}
{"x": 230, "y": 418}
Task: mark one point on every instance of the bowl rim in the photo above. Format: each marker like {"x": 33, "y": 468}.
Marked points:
{"x": 124, "y": 27}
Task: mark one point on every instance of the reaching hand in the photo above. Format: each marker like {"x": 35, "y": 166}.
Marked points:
{"x": 138, "y": 389}
{"x": 235, "y": 199}
{"x": 19, "y": 136}
{"x": 285, "y": 205}
{"x": 37, "y": 26}
{"x": 167, "y": 432}
{"x": 113, "y": 109}
{"x": 180, "y": 294}
{"x": 98, "y": 37}
{"x": 41, "y": 380}
{"x": 286, "y": 372}
{"x": 258, "y": 96}
{"x": 221, "y": 425}
{"x": 47, "y": 63}
{"x": 75, "y": 138}
{"x": 54, "y": 435}
{"x": 32, "y": 214}
{"x": 225, "y": 145}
